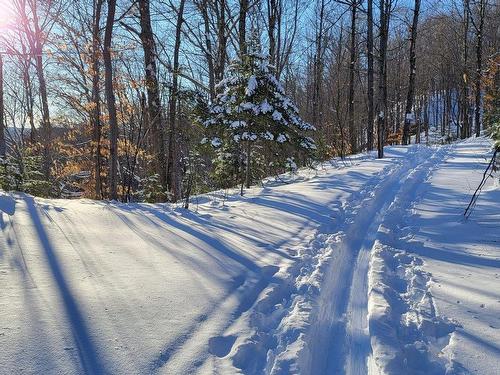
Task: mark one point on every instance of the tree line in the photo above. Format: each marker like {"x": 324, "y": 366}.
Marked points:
{"x": 156, "y": 100}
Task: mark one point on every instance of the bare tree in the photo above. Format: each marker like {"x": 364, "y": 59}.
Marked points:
{"x": 35, "y": 30}
{"x": 95, "y": 118}
{"x": 3, "y": 147}
{"x": 207, "y": 48}
{"x": 318, "y": 65}
{"x": 242, "y": 25}
{"x": 220, "y": 61}
{"x": 479, "y": 28}
{"x": 153, "y": 90}
{"x": 274, "y": 9}
{"x": 465, "y": 77}
{"x": 370, "y": 90}
{"x": 284, "y": 35}
{"x": 352, "y": 67}
{"x": 411, "y": 81}
{"x": 172, "y": 130}
{"x": 384, "y": 13}
{"x": 110, "y": 98}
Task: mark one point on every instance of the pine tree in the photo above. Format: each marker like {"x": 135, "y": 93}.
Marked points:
{"x": 252, "y": 114}
{"x": 24, "y": 173}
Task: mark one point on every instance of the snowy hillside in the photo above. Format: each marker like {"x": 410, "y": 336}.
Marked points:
{"x": 359, "y": 268}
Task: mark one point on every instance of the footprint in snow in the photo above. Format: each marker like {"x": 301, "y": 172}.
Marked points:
{"x": 220, "y": 346}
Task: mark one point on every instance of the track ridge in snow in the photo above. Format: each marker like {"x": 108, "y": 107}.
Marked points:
{"x": 339, "y": 340}
{"x": 405, "y": 328}
{"x": 280, "y": 318}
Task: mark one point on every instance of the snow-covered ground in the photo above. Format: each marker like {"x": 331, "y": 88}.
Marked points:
{"x": 359, "y": 268}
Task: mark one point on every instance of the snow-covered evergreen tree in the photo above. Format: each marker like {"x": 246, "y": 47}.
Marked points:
{"x": 24, "y": 173}
{"x": 252, "y": 114}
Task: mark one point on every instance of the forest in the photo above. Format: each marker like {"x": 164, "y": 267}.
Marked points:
{"x": 257, "y": 187}
{"x": 159, "y": 100}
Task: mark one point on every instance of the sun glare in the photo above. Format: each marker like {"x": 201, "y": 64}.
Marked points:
{"x": 6, "y": 14}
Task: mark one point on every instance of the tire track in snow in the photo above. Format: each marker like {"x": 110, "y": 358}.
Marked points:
{"x": 339, "y": 341}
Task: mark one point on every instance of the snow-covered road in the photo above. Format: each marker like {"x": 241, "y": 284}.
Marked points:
{"x": 364, "y": 268}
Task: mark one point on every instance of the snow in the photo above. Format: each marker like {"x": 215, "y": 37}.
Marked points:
{"x": 277, "y": 116}
{"x": 237, "y": 124}
{"x": 216, "y": 142}
{"x": 265, "y": 107}
{"x": 281, "y": 138}
{"x": 267, "y": 135}
{"x": 248, "y": 136}
{"x": 290, "y": 164}
{"x": 251, "y": 86}
{"x": 362, "y": 266}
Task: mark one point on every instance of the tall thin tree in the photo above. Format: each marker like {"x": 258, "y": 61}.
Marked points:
{"x": 37, "y": 36}
{"x": 3, "y": 147}
{"x": 95, "y": 118}
{"x": 479, "y": 28}
{"x": 465, "y": 75}
{"x": 411, "y": 81}
{"x": 174, "y": 93}
{"x": 155, "y": 112}
{"x": 318, "y": 66}
{"x": 370, "y": 89}
{"x": 111, "y": 102}
{"x": 242, "y": 27}
{"x": 384, "y": 14}
{"x": 353, "y": 136}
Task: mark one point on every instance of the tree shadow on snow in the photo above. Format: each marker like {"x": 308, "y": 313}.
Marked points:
{"x": 87, "y": 350}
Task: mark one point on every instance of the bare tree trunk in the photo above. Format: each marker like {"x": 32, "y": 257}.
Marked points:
{"x": 426, "y": 117}
{"x": 203, "y": 7}
{"x": 172, "y": 131}
{"x": 248, "y": 176}
{"x": 95, "y": 118}
{"x": 110, "y": 99}
{"x": 3, "y": 147}
{"x": 221, "y": 40}
{"x": 46, "y": 126}
{"x": 273, "y": 17}
{"x": 411, "y": 84}
{"x": 479, "y": 64}
{"x": 271, "y": 29}
{"x": 449, "y": 112}
{"x": 417, "y": 120}
{"x": 384, "y": 11}
{"x": 153, "y": 91}
{"x": 25, "y": 61}
{"x": 284, "y": 46}
{"x": 36, "y": 46}
{"x": 318, "y": 67}
{"x": 242, "y": 26}
{"x": 465, "y": 88}
{"x": 444, "y": 115}
{"x": 370, "y": 77}
{"x": 352, "y": 65}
